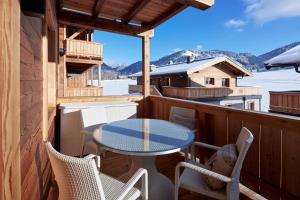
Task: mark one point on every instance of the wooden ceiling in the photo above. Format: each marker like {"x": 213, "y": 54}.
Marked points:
{"x": 130, "y": 17}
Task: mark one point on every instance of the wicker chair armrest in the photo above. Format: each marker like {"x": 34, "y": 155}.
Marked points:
{"x": 202, "y": 171}
{"x": 139, "y": 174}
{"x": 96, "y": 158}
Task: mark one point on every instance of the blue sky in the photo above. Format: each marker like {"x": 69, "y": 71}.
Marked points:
{"x": 255, "y": 26}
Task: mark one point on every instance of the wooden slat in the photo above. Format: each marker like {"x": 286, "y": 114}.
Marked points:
{"x": 178, "y": 7}
{"x": 98, "y": 7}
{"x": 10, "y": 173}
{"x": 88, "y": 22}
{"x": 135, "y": 10}
{"x": 200, "y": 4}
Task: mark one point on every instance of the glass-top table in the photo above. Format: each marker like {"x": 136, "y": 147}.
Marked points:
{"x": 144, "y": 139}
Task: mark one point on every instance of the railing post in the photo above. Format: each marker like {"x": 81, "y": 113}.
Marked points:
{"x": 146, "y": 71}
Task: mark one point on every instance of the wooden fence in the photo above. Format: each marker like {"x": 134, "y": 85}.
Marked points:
{"x": 273, "y": 161}
{"x": 81, "y": 48}
{"x": 285, "y": 102}
{"x": 204, "y": 92}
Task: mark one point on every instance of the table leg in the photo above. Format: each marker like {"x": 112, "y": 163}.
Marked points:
{"x": 160, "y": 187}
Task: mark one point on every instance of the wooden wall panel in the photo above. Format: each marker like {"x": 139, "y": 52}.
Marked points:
{"x": 10, "y": 179}
{"x": 35, "y": 166}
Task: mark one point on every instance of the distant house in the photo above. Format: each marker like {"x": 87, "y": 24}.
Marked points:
{"x": 212, "y": 80}
{"x": 285, "y": 102}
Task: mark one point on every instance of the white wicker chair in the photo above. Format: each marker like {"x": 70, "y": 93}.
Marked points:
{"x": 80, "y": 179}
{"x": 194, "y": 174}
{"x": 91, "y": 119}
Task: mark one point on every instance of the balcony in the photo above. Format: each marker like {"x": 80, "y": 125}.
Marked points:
{"x": 81, "y": 55}
{"x": 272, "y": 163}
{"x": 203, "y": 92}
{"x": 287, "y": 102}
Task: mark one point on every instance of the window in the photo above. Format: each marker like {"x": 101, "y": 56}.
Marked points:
{"x": 209, "y": 81}
{"x": 251, "y": 105}
{"x": 225, "y": 82}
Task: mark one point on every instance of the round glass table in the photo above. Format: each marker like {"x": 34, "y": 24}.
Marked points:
{"x": 144, "y": 139}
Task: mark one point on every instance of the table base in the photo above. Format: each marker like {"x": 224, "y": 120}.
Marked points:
{"x": 160, "y": 187}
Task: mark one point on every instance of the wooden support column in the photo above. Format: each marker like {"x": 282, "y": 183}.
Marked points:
{"x": 146, "y": 73}
{"x": 45, "y": 80}
{"x": 10, "y": 170}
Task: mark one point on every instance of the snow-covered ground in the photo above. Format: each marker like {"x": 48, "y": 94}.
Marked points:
{"x": 281, "y": 80}
{"x": 116, "y": 87}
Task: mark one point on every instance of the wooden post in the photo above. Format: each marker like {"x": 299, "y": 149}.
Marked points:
{"x": 99, "y": 75}
{"x": 10, "y": 169}
{"x": 45, "y": 80}
{"x": 146, "y": 74}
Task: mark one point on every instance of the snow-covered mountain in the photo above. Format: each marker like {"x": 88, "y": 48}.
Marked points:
{"x": 251, "y": 61}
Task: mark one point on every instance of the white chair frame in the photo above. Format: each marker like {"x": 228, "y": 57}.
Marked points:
{"x": 243, "y": 144}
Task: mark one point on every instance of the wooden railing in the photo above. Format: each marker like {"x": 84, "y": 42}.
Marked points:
{"x": 203, "y": 92}
{"x": 138, "y": 89}
{"x": 84, "y": 49}
{"x": 273, "y": 161}
{"x": 285, "y": 102}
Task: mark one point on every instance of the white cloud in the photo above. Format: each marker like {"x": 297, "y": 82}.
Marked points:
{"x": 262, "y": 11}
{"x": 235, "y": 23}
{"x": 199, "y": 47}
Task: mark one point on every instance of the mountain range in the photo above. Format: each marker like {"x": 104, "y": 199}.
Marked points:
{"x": 250, "y": 61}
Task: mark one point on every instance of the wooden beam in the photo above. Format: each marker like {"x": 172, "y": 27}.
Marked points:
{"x": 178, "y": 7}
{"x": 84, "y": 61}
{"x": 98, "y": 7}
{"x": 10, "y": 169}
{"x": 74, "y": 35}
{"x": 89, "y": 22}
{"x": 45, "y": 80}
{"x": 146, "y": 73}
{"x": 200, "y": 4}
{"x": 135, "y": 10}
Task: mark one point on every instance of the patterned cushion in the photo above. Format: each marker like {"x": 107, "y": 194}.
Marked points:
{"x": 222, "y": 162}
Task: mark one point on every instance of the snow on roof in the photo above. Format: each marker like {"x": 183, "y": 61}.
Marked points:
{"x": 195, "y": 66}
{"x": 290, "y": 57}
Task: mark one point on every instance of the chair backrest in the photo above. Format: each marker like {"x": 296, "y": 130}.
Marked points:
{"x": 77, "y": 178}
{"x": 243, "y": 144}
{"x": 183, "y": 116}
{"x": 93, "y": 116}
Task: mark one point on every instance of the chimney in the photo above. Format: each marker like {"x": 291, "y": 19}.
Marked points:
{"x": 152, "y": 68}
{"x": 171, "y": 62}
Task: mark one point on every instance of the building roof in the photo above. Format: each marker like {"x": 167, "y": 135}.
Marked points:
{"x": 190, "y": 68}
{"x": 130, "y": 17}
{"x": 288, "y": 58}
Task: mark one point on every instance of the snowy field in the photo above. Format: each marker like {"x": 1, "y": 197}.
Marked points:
{"x": 116, "y": 87}
{"x": 281, "y": 80}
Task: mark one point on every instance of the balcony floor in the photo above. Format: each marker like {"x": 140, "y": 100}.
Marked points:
{"x": 115, "y": 165}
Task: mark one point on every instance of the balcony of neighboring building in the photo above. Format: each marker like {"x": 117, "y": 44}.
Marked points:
{"x": 286, "y": 102}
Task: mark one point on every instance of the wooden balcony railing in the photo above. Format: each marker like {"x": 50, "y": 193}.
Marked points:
{"x": 203, "y": 92}
{"x": 285, "y": 102}
{"x": 138, "y": 89}
{"x": 272, "y": 164}
{"x": 84, "y": 49}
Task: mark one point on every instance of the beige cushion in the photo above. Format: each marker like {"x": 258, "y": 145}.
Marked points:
{"x": 221, "y": 162}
